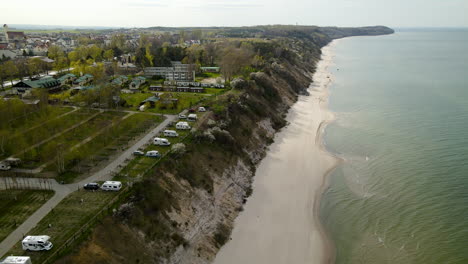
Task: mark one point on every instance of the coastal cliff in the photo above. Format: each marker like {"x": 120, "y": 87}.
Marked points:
{"x": 185, "y": 211}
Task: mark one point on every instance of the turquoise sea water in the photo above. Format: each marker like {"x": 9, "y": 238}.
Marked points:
{"x": 401, "y": 103}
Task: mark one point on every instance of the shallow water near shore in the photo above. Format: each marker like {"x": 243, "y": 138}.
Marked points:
{"x": 401, "y": 107}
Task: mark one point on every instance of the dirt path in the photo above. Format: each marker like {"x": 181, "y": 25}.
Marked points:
{"x": 62, "y": 191}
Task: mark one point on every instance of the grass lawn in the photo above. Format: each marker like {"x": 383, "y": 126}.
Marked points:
{"x": 17, "y": 205}
{"x": 17, "y": 142}
{"x": 48, "y": 151}
{"x": 66, "y": 219}
{"x": 108, "y": 143}
{"x": 36, "y": 117}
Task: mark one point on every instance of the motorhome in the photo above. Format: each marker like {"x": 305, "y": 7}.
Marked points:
{"x": 111, "y": 186}
{"x": 153, "y": 154}
{"x": 182, "y": 126}
{"x": 16, "y": 260}
{"x": 4, "y": 166}
{"x": 161, "y": 141}
{"x": 170, "y": 133}
{"x": 192, "y": 117}
{"x": 36, "y": 243}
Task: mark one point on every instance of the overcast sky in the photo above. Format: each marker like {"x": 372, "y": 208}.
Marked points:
{"x": 145, "y": 13}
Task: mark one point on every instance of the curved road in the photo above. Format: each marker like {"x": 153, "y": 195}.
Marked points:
{"x": 61, "y": 191}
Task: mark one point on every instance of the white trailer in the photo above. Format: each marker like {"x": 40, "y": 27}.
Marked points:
{"x": 161, "y": 141}
{"x": 170, "y": 133}
{"x": 111, "y": 186}
{"x": 16, "y": 260}
{"x": 192, "y": 117}
{"x": 36, "y": 243}
{"x": 182, "y": 126}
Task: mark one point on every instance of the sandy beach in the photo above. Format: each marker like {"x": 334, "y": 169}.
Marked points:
{"x": 280, "y": 221}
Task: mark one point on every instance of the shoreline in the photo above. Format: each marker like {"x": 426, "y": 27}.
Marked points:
{"x": 280, "y": 222}
{"x": 329, "y": 247}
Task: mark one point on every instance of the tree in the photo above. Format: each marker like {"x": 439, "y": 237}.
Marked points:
{"x": 109, "y": 55}
{"x": 3, "y": 75}
{"x": 55, "y": 52}
{"x": 233, "y": 60}
{"x": 11, "y": 70}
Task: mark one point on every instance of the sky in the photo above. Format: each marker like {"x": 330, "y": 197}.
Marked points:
{"x": 146, "y": 13}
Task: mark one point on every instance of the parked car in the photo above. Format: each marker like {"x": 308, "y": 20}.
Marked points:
{"x": 153, "y": 154}
{"x": 138, "y": 153}
{"x": 201, "y": 109}
{"x": 191, "y": 110}
{"x": 182, "y": 116}
{"x": 91, "y": 186}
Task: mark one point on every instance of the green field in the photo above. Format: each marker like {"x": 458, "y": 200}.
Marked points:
{"x": 65, "y": 220}
{"x": 109, "y": 142}
{"x": 19, "y": 141}
{"x": 49, "y": 150}
{"x": 17, "y": 205}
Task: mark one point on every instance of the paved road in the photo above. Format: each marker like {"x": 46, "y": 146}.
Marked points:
{"x": 61, "y": 191}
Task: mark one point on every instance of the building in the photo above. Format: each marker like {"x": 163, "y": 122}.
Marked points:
{"x": 48, "y": 83}
{"x": 14, "y": 39}
{"x": 83, "y": 80}
{"x": 67, "y": 78}
{"x": 120, "y": 80}
{"x": 137, "y": 82}
{"x": 178, "y": 72}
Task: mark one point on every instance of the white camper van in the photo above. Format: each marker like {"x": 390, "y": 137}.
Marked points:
{"x": 4, "y": 166}
{"x": 36, "y": 243}
{"x": 192, "y": 117}
{"x": 182, "y": 126}
{"x": 170, "y": 133}
{"x": 16, "y": 260}
{"x": 161, "y": 141}
{"x": 111, "y": 186}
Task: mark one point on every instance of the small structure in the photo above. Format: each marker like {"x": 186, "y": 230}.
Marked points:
{"x": 83, "y": 80}
{"x": 137, "y": 82}
{"x": 16, "y": 260}
{"x": 151, "y": 100}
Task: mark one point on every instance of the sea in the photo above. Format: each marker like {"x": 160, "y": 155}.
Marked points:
{"x": 400, "y": 194}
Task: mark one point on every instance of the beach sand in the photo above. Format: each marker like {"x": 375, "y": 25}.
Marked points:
{"x": 280, "y": 221}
